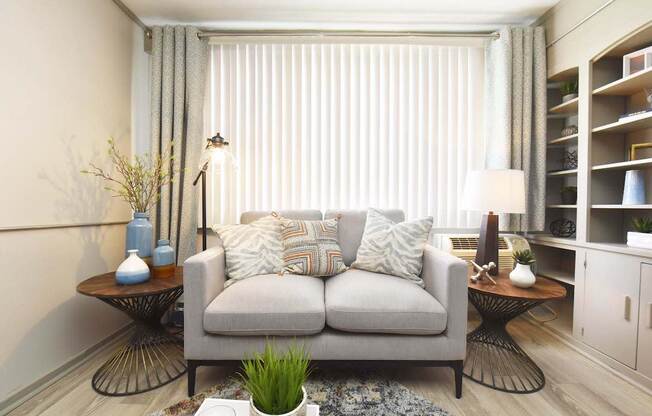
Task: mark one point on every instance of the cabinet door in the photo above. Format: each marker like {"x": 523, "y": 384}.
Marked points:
{"x": 611, "y": 304}
{"x": 644, "y": 359}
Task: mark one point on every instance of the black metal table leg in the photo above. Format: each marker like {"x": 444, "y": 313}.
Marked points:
{"x": 151, "y": 358}
{"x": 493, "y": 358}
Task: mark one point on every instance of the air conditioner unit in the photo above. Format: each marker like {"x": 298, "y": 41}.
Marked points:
{"x": 465, "y": 246}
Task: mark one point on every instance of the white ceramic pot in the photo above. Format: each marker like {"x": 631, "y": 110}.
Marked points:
{"x": 132, "y": 271}
{"x": 522, "y": 276}
{"x": 299, "y": 411}
{"x": 568, "y": 97}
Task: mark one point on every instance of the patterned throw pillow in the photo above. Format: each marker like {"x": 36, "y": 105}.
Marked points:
{"x": 252, "y": 249}
{"x": 311, "y": 248}
{"x": 393, "y": 248}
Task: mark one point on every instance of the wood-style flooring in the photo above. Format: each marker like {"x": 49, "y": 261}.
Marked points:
{"x": 575, "y": 385}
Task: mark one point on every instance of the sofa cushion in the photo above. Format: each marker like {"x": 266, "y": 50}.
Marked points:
{"x": 362, "y": 301}
{"x": 351, "y": 227}
{"x": 268, "y": 305}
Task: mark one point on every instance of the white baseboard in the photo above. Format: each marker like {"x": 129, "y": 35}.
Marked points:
{"x": 26, "y": 393}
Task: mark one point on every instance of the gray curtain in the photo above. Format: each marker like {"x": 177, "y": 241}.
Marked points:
{"x": 515, "y": 114}
{"x": 179, "y": 62}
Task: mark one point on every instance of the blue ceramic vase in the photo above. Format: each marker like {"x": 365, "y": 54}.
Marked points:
{"x": 163, "y": 254}
{"x": 132, "y": 271}
{"x": 139, "y": 235}
{"x": 634, "y": 188}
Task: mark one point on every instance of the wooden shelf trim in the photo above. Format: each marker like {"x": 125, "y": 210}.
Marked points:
{"x": 627, "y": 165}
{"x": 620, "y": 206}
{"x": 563, "y": 140}
{"x": 627, "y": 86}
{"x": 640, "y": 122}
{"x": 562, "y": 206}
{"x": 569, "y": 107}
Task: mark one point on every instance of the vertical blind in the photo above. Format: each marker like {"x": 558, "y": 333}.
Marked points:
{"x": 346, "y": 125}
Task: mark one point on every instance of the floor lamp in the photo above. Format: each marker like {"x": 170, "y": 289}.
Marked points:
{"x": 216, "y": 150}
{"x": 493, "y": 191}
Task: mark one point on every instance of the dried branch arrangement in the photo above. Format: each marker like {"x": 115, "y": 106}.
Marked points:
{"x": 139, "y": 182}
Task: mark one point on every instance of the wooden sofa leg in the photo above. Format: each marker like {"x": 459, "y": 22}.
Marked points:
{"x": 192, "y": 373}
{"x": 458, "y": 367}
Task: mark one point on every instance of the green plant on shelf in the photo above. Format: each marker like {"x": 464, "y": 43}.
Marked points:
{"x": 275, "y": 380}
{"x": 568, "y": 88}
{"x": 642, "y": 225}
{"x": 524, "y": 257}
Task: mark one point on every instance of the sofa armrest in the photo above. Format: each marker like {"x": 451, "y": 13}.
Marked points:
{"x": 445, "y": 277}
{"x": 203, "y": 280}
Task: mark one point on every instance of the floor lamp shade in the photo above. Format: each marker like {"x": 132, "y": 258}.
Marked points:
{"x": 493, "y": 191}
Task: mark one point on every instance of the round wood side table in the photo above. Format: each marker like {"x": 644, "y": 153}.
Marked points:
{"x": 493, "y": 358}
{"x": 152, "y": 357}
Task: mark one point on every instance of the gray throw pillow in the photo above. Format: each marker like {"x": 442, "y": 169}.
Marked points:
{"x": 252, "y": 249}
{"x": 393, "y": 248}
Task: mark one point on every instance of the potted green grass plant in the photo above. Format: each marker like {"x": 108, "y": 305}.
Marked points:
{"x": 275, "y": 381}
{"x": 568, "y": 91}
{"x": 522, "y": 275}
{"x": 642, "y": 237}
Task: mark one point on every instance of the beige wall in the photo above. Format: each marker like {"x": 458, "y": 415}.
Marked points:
{"x": 607, "y": 27}
{"x": 65, "y": 87}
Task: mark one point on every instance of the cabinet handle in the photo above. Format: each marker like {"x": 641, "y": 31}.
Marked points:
{"x": 649, "y": 315}
{"x": 628, "y": 308}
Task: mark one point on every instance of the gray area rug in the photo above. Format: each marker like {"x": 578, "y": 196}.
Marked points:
{"x": 336, "y": 393}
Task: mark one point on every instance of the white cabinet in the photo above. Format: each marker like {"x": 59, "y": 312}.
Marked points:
{"x": 611, "y": 304}
{"x": 644, "y": 360}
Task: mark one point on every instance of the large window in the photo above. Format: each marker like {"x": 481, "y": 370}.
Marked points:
{"x": 347, "y": 125}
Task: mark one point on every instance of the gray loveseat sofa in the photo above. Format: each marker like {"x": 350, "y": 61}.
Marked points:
{"x": 356, "y": 316}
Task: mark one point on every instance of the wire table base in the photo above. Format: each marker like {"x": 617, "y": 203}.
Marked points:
{"x": 152, "y": 357}
{"x": 493, "y": 358}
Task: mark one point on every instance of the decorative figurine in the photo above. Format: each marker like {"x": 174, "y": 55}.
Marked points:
{"x": 482, "y": 272}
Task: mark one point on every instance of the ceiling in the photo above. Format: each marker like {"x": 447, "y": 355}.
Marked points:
{"x": 341, "y": 14}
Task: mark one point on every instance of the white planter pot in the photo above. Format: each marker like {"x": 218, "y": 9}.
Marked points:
{"x": 568, "y": 97}
{"x": 639, "y": 240}
{"x": 522, "y": 276}
{"x": 299, "y": 411}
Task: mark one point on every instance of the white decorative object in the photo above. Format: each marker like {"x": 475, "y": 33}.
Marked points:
{"x": 301, "y": 409}
{"x": 483, "y": 271}
{"x": 568, "y": 97}
{"x": 132, "y": 270}
{"x": 522, "y": 276}
{"x": 639, "y": 240}
{"x": 241, "y": 408}
{"x": 637, "y": 61}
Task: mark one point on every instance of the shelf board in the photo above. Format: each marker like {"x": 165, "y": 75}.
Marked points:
{"x": 620, "y": 206}
{"x": 563, "y": 140}
{"x": 569, "y": 107}
{"x": 639, "y": 122}
{"x": 549, "y": 238}
{"x": 627, "y": 86}
{"x": 630, "y": 164}
{"x": 561, "y": 206}
{"x": 558, "y": 275}
{"x": 566, "y": 172}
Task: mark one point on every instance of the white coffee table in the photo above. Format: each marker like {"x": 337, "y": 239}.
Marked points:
{"x": 221, "y": 407}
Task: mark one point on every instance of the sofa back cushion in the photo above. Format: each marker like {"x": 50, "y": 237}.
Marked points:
{"x": 351, "y": 228}
{"x": 300, "y": 214}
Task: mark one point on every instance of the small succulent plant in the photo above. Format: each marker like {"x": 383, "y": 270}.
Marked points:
{"x": 568, "y": 88}
{"x": 524, "y": 257}
{"x": 642, "y": 225}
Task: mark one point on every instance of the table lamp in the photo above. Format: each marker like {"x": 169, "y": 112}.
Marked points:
{"x": 493, "y": 192}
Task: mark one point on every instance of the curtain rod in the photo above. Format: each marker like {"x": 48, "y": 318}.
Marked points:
{"x": 351, "y": 33}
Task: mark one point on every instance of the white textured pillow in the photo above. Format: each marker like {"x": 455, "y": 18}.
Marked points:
{"x": 252, "y": 249}
{"x": 393, "y": 248}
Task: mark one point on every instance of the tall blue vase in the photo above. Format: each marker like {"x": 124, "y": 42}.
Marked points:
{"x": 139, "y": 235}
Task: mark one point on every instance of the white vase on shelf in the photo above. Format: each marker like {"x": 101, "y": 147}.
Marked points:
{"x": 132, "y": 270}
{"x": 522, "y": 276}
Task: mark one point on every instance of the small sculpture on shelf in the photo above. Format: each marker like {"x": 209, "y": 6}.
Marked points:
{"x": 569, "y": 130}
{"x": 569, "y": 160}
{"x": 562, "y": 228}
{"x": 482, "y": 272}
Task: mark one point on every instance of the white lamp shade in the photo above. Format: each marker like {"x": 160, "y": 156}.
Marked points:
{"x": 499, "y": 190}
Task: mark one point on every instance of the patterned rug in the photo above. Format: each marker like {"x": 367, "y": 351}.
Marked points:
{"x": 337, "y": 394}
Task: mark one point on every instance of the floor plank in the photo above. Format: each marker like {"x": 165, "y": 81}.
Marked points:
{"x": 574, "y": 386}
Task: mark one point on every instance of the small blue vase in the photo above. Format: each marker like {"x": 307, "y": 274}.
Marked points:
{"x": 139, "y": 235}
{"x": 163, "y": 254}
{"x": 634, "y": 188}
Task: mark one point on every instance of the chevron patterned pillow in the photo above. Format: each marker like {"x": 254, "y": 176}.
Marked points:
{"x": 311, "y": 248}
{"x": 393, "y": 248}
{"x": 252, "y": 249}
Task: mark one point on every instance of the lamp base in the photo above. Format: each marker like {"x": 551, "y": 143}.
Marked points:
{"x": 488, "y": 242}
